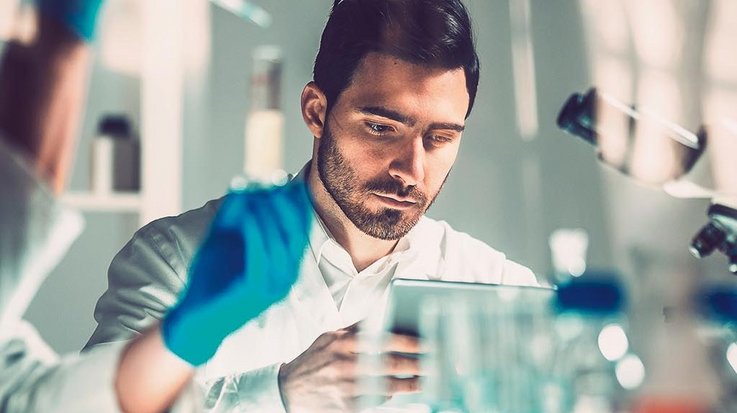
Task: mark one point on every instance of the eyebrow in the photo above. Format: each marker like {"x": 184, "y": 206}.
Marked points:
{"x": 407, "y": 120}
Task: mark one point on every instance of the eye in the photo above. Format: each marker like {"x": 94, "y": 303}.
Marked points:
{"x": 439, "y": 140}
{"x": 378, "y": 129}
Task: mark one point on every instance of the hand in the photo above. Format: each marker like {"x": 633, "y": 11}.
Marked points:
{"x": 79, "y": 16}
{"x": 326, "y": 377}
{"x": 249, "y": 261}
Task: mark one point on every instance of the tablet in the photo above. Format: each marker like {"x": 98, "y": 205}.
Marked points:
{"x": 407, "y": 295}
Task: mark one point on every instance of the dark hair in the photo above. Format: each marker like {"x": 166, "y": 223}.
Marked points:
{"x": 435, "y": 33}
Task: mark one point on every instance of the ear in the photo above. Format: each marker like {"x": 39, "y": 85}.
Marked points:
{"x": 314, "y": 109}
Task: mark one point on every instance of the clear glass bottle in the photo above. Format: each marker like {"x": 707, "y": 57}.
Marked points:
{"x": 592, "y": 367}
{"x": 718, "y": 308}
{"x": 264, "y": 145}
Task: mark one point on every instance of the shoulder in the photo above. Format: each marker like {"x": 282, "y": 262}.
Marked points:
{"x": 192, "y": 224}
{"x": 465, "y": 258}
{"x": 174, "y": 239}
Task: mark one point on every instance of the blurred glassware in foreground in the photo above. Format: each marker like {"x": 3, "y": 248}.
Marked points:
{"x": 718, "y": 307}
{"x": 487, "y": 356}
{"x": 568, "y": 248}
{"x": 592, "y": 367}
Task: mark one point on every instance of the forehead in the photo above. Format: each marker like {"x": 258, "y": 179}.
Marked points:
{"x": 385, "y": 80}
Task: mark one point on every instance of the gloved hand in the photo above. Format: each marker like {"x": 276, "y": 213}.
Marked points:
{"x": 248, "y": 261}
{"x": 80, "y": 16}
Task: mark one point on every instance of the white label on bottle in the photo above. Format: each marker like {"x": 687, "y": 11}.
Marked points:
{"x": 263, "y": 146}
{"x": 102, "y": 165}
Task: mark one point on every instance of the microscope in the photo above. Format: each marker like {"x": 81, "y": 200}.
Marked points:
{"x": 668, "y": 155}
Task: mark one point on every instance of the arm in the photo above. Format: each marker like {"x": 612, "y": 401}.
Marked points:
{"x": 142, "y": 377}
{"x": 150, "y": 377}
{"x": 144, "y": 280}
{"x": 42, "y": 88}
{"x": 42, "y": 91}
{"x": 36, "y": 233}
{"x": 149, "y": 273}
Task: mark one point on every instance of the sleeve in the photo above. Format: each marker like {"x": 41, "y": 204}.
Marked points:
{"x": 147, "y": 275}
{"x": 516, "y": 274}
{"x": 255, "y": 391}
{"x": 142, "y": 285}
{"x": 32, "y": 379}
{"x": 36, "y": 233}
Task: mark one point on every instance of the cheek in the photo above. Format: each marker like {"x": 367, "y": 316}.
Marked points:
{"x": 439, "y": 165}
{"x": 368, "y": 156}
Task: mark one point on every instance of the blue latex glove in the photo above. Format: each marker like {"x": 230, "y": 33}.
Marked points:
{"x": 249, "y": 260}
{"x": 80, "y": 16}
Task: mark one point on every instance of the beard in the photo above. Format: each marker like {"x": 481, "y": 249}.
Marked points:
{"x": 341, "y": 181}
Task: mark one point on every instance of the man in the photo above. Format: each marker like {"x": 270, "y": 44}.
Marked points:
{"x": 394, "y": 81}
{"x": 42, "y": 89}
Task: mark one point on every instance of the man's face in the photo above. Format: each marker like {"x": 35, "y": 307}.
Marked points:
{"x": 390, "y": 141}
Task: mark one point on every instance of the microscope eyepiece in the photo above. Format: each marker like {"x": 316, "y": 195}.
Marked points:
{"x": 707, "y": 240}
{"x": 577, "y": 116}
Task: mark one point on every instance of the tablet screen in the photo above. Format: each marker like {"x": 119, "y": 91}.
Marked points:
{"x": 407, "y": 295}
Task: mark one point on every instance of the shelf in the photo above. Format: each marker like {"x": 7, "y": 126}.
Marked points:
{"x": 112, "y": 202}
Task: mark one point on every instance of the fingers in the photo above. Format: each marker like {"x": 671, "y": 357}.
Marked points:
{"x": 351, "y": 328}
{"x": 283, "y": 215}
{"x": 396, "y": 385}
{"x": 391, "y": 386}
{"x": 288, "y": 217}
{"x": 256, "y": 261}
{"x": 281, "y": 271}
{"x": 342, "y": 341}
{"x": 391, "y": 365}
{"x": 401, "y": 343}
{"x": 399, "y": 365}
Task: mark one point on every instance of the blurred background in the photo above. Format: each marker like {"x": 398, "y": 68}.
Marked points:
{"x": 182, "y": 74}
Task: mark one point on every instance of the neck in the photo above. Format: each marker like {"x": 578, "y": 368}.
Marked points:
{"x": 363, "y": 249}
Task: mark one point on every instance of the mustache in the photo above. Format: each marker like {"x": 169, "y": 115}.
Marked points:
{"x": 394, "y": 187}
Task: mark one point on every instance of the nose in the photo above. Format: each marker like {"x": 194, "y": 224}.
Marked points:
{"x": 409, "y": 164}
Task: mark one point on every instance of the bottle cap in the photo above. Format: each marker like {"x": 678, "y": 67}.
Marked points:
{"x": 116, "y": 126}
{"x": 719, "y": 303}
{"x": 599, "y": 293}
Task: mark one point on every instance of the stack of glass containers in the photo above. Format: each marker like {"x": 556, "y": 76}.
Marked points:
{"x": 591, "y": 368}
{"x": 487, "y": 355}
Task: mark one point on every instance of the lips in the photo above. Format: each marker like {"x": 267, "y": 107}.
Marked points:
{"x": 396, "y": 201}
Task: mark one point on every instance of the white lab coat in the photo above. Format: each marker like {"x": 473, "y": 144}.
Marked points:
{"x": 148, "y": 273}
{"x": 36, "y": 232}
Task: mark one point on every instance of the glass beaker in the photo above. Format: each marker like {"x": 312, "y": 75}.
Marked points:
{"x": 487, "y": 355}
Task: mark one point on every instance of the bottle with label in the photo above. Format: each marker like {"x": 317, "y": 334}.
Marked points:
{"x": 264, "y": 146}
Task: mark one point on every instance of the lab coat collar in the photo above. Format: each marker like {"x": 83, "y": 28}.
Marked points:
{"x": 311, "y": 297}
